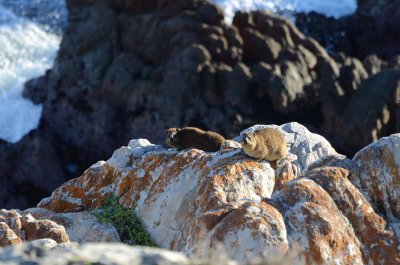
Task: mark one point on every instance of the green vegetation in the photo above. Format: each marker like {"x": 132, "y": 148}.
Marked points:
{"x": 128, "y": 225}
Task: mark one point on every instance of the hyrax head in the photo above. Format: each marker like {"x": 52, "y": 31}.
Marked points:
{"x": 170, "y": 138}
{"x": 248, "y": 140}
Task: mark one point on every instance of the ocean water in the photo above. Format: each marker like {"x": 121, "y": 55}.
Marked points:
{"x": 332, "y": 8}
{"x": 27, "y": 49}
{"x": 31, "y": 32}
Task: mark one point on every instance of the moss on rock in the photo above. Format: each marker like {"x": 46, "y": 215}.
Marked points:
{"x": 129, "y": 226}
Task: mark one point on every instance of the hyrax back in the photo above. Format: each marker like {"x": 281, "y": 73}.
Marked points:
{"x": 191, "y": 137}
{"x": 267, "y": 143}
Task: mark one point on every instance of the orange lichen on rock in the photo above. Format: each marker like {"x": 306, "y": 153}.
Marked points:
{"x": 286, "y": 173}
{"x": 313, "y": 219}
{"x": 379, "y": 243}
{"x": 201, "y": 203}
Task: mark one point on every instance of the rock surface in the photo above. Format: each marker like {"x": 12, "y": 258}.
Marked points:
{"x": 205, "y": 203}
{"x": 378, "y": 175}
{"x": 16, "y": 227}
{"x": 49, "y": 253}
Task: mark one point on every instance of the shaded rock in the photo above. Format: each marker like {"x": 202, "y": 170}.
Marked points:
{"x": 26, "y": 174}
{"x": 375, "y": 117}
{"x": 257, "y": 47}
{"x": 351, "y": 75}
{"x": 373, "y": 64}
{"x": 285, "y": 87}
{"x": 81, "y": 227}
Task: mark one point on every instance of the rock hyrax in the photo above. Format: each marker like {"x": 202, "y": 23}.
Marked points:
{"x": 267, "y": 143}
{"x": 191, "y": 137}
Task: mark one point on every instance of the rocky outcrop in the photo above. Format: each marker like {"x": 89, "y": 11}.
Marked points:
{"x": 16, "y": 228}
{"x": 202, "y": 203}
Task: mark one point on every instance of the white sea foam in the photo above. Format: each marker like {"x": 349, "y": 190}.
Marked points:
{"x": 26, "y": 52}
{"x": 330, "y": 8}
{"x": 336, "y": 8}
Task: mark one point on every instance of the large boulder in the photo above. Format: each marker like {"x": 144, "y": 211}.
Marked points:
{"x": 205, "y": 203}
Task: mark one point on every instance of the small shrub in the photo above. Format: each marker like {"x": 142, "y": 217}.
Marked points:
{"x": 128, "y": 225}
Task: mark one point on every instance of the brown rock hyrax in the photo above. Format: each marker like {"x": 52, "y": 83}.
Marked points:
{"x": 267, "y": 143}
{"x": 191, "y": 137}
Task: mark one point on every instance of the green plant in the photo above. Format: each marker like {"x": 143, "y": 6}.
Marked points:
{"x": 128, "y": 225}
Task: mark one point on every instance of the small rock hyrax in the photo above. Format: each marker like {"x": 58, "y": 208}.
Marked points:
{"x": 267, "y": 143}
{"x": 191, "y": 137}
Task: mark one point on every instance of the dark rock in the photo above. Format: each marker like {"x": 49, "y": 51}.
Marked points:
{"x": 373, "y": 29}
{"x": 373, "y": 64}
{"x": 351, "y": 75}
{"x": 29, "y": 170}
{"x": 371, "y": 112}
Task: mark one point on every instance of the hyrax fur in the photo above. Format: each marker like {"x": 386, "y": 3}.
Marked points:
{"x": 267, "y": 143}
{"x": 191, "y": 137}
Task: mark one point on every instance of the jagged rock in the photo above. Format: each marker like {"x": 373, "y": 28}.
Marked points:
{"x": 17, "y": 227}
{"x": 49, "y": 253}
{"x": 8, "y": 236}
{"x": 376, "y": 117}
{"x": 315, "y": 222}
{"x": 351, "y": 75}
{"x": 378, "y": 243}
{"x": 378, "y": 169}
{"x": 81, "y": 227}
{"x": 40, "y": 229}
{"x": 373, "y": 64}
{"x": 199, "y": 202}
{"x": 233, "y": 204}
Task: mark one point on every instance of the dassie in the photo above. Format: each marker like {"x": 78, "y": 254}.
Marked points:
{"x": 191, "y": 137}
{"x": 267, "y": 143}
